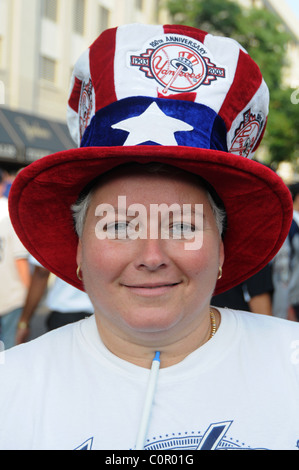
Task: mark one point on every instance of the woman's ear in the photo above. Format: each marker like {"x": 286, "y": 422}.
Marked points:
{"x": 79, "y": 253}
{"x": 221, "y": 254}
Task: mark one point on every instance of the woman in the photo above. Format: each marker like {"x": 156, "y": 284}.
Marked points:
{"x": 154, "y": 285}
{"x": 151, "y": 244}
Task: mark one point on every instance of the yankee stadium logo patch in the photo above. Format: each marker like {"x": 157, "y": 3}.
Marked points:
{"x": 177, "y": 63}
{"x": 86, "y": 106}
{"x": 248, "y": 133}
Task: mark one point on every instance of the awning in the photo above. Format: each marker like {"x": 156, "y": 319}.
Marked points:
{"x": 26, "y": 137}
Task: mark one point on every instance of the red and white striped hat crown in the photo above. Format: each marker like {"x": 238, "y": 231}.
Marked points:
{"x": 141, "y": 71}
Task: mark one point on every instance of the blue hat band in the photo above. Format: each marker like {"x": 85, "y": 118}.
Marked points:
{"x": 156, "y": 121}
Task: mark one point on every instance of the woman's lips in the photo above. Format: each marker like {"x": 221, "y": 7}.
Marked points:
{"x": 152, "y": 289}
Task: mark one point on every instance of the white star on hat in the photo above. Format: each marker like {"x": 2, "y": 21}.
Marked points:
{"x": 152, "y": 125}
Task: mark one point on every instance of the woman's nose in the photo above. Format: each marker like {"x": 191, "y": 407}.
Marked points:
{"x": 152, "y": 255}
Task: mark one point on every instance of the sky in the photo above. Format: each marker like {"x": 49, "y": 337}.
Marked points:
{"x": 294, "y": 4}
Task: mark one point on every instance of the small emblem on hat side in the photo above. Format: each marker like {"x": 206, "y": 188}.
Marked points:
{"x": 85, "y": 106}
{"x": 178, "y": 63}
{"x": 247, "y": 134}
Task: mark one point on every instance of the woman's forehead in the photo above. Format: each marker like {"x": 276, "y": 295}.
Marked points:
{"x": 142, "y": 185}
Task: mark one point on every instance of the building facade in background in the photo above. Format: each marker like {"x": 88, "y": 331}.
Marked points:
{"x": 40, "y": 41}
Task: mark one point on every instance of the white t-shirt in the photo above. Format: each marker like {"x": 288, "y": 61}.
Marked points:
{"x": 12, "y": 290}
{"x": 240, "y": 390}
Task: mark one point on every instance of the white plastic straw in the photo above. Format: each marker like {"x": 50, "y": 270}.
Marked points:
{"x": 150, "y": 393}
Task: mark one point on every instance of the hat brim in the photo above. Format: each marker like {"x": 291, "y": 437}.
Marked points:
{"x": 257, "y": 203}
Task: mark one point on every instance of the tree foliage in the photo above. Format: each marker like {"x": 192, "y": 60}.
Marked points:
{"x": 262, "y": 34}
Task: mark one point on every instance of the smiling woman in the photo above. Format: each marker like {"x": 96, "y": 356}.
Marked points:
{"x": 157, "y": 208}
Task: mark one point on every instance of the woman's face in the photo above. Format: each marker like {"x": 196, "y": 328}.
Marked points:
{"x": 149, "y": 285}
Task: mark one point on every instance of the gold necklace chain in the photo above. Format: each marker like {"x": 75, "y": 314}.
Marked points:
{"x": 213, "y": 324}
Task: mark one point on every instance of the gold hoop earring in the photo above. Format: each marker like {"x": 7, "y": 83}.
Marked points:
{"x": 78, "y": 273}
{"x": 220, "y": 273}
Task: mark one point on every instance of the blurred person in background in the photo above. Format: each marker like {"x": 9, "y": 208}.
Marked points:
{"x": 253, "y": 295}
{"x": 66, "y": 304}
{"x": 14, "y": 274}
{"x": 9, "y": 177}
{"x": 293, "y": 239}
{"x": 281, "y": 278}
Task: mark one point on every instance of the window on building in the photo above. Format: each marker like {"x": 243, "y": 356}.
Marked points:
{"x": 48, "y": 69}
{"x": 79, "y": 16}
{"x": 50, "y": 9}
{"x": 103, "y": 18}
{"x": 139, "y": 4}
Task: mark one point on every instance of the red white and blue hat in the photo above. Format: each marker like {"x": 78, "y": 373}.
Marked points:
{"x": 172, "y": 94}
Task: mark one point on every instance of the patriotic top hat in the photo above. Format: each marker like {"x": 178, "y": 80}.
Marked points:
{"x": 171, "y": 94}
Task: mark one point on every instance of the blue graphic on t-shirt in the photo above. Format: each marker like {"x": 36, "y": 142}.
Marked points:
{"x": 214, "y": 438}
{"x": 87, "y": 445}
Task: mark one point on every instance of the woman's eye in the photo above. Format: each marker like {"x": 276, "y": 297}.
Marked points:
{"x": 117, "y": 228}
{"x": 182, "y": 229}
{"x": 121, "y": 226}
